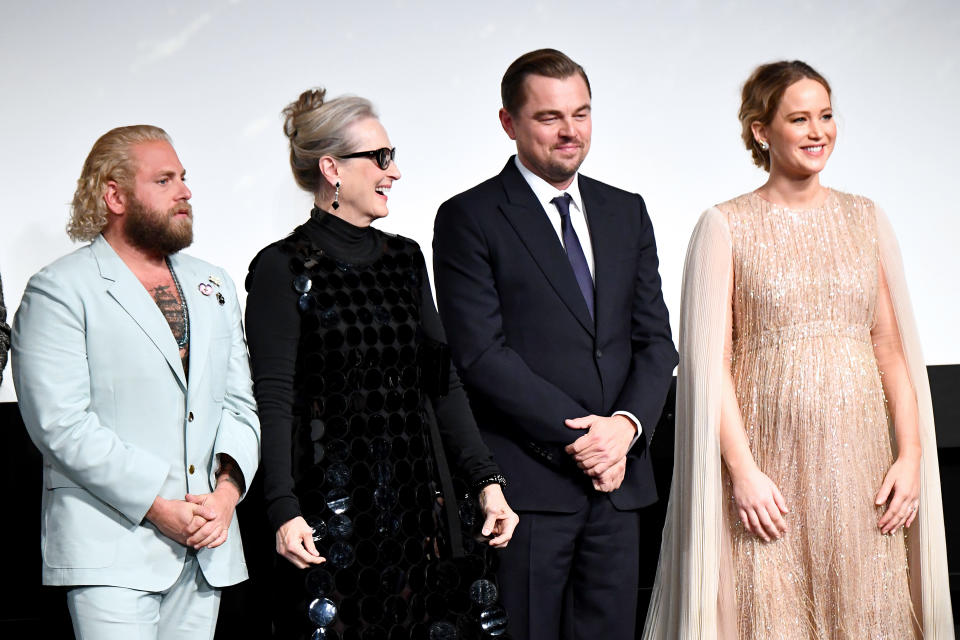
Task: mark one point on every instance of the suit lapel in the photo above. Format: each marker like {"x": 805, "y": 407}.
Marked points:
{"x": 136, "y": 301}
{"x": 525, "y": 214}
{"x": 605, "y": 241}
{"x": 199, "y": 307}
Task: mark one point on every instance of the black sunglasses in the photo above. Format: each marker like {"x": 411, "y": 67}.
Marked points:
{"x": 383, "y": 157}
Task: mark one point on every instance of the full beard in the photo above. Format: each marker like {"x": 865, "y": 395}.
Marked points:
{"x": 158, "y": 231}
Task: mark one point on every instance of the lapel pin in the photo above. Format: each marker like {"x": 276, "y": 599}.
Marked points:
{"x": 220, "y": 299}
{"x": 215, "y": 280}
{"x": 205, "y": 288}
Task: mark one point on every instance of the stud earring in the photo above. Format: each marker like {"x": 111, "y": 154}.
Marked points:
{"x": 764, "y": 145}
{"x": 336, "y": 197}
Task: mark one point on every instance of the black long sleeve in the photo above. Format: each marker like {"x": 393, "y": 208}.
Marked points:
{"x": 273, "y": 333}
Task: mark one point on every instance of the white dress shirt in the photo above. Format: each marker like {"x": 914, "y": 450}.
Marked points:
{"x": 545, "y": 193}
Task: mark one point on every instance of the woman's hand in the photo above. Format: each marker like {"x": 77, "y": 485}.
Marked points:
{"x": 903, "y": 481}
{"x": 760, "y": 504}
{"x": 295, "y": 543}
{"x": 500, "y": 518}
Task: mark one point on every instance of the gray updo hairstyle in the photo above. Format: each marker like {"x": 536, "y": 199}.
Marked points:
{"x": 318, "y": 128}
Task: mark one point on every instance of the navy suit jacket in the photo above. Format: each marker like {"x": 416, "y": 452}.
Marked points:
{"x": 524, "y": 342}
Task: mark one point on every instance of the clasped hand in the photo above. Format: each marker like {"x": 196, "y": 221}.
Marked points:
{"x": 222, "y": 501}
{"x": 601, "y": 452}
{"x": 198, "y": 521}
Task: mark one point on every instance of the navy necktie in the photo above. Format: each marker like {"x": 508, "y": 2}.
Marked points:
{"x": 574, "y": 250}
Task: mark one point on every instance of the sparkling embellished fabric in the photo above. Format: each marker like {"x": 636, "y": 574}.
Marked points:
{"x": 4, "y": 334}
{"x": 364, "y": 468}
{"x": 695, "y": 595}
{"x": 809, "y": 391}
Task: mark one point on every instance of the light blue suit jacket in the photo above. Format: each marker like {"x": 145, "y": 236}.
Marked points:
{"x": 103, "y": 394}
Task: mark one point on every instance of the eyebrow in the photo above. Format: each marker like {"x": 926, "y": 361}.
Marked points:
{"x": 557, "y": 112}
{"x": 805, "y": 111}
{"x": 168, "y": 173}
{"x": 827, "y": 108}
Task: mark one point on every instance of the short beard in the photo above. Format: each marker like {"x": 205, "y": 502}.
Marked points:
{"x": 155, "y": 231}
{"x": 559, "y": 173}
{"x": 556, "y": 172}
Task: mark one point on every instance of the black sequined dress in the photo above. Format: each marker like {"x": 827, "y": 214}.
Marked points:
{"x": 338, "y": 318}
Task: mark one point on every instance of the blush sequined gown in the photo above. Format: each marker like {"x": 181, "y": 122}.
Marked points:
{"x": 807, "y": 383}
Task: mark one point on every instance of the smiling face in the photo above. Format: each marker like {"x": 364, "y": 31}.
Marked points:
{"x": 552, "y": 128}
{"x": 158, "y": 217}
{"x": 364, "y": 186}
{"x": 802, "y": 132}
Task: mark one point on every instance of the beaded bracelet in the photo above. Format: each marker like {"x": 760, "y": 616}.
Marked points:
{"x": 496, "y": 478}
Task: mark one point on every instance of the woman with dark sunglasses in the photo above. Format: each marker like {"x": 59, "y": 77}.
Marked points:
{"x": 368, "y": 440}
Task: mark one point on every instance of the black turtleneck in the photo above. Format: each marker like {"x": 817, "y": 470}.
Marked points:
{"x": 273, "y": 333}
{"x": 342, "y": 240}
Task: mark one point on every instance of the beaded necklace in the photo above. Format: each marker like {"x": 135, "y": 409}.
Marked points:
{"x": 185, "y": 339}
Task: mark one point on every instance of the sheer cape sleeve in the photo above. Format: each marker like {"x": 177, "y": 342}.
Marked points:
{"x": 693, "y": 595}
{"x": 684, "y": 599}
{"x": 926, "y": 539}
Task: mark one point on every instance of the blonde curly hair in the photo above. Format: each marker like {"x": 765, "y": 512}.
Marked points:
{"x": 109, "y": 159}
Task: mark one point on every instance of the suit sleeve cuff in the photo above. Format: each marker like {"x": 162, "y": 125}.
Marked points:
{"x": 635, "y": 422}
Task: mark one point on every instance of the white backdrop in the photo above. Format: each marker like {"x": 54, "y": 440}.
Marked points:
{"x": 666, "y": 78}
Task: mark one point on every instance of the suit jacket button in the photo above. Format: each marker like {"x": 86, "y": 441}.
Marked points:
{"x": 190, "y": 469}
{"x": 599, "y": 354}
{"x": 190, "y": 417}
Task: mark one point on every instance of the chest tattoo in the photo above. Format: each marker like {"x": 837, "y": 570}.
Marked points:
{"x": 175, "y": 315}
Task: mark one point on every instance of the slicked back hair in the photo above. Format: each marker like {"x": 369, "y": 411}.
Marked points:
{"x": 542, "y": 62}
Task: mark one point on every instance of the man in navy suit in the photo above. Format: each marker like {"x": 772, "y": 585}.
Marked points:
{"x": 548, "y": 287}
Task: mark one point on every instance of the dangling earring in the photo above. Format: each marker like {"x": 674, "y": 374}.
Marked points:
{"x": 336, "y": 197}
{"x": 764, "y": 145}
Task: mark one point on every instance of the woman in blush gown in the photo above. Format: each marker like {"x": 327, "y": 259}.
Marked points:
{"x": 806, "y": 499}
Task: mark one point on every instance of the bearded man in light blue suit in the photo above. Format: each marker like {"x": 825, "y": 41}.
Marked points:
{"x": 133, "y": 380}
